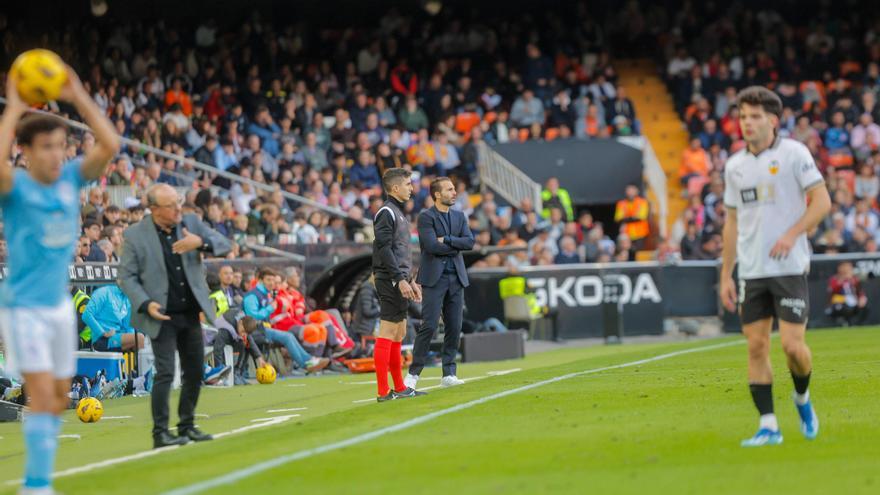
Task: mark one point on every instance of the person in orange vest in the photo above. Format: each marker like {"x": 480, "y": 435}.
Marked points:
{"x": 632, "y": 215}
{"x": 694, "y": 162}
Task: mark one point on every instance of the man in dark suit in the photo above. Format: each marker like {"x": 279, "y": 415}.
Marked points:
{"x": 162, "y": 274}
{"x": 443, "y": 235}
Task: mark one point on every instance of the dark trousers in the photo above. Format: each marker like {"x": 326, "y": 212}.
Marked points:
{"x": 224, "y": 339}
{"x": 446, "y": 296}
{"x": 182, "y": 334}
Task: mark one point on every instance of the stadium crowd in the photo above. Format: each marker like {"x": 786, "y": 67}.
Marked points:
{"x": 825, "y": 69}
{"x": 322, "y": 113}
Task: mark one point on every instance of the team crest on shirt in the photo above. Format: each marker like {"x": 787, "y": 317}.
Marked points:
{"x": 774, "y": 167}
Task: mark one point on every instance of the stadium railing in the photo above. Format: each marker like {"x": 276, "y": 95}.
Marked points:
{"x": 505, "y": 179}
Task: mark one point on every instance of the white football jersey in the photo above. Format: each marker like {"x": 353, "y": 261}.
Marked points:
{"x": 768, "y": 192}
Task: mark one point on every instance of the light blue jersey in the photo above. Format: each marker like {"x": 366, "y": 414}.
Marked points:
{"x": 41, "y": 224}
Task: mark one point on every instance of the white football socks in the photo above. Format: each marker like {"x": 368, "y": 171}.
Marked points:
{"x": 768, "y": 422}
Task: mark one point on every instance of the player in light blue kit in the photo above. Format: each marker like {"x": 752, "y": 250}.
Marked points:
{"x": 41, "y": 217}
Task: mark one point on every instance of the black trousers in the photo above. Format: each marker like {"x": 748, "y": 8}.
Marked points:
{"x": 447, "y": 296}
{"x": 181, "y": 334}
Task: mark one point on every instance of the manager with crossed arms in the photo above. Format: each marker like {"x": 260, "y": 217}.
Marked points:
{"x": 443, "y": 235}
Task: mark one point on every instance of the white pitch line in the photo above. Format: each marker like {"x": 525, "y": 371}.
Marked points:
{"x": 287, "y": 410}
{"x": 373, "y": 382}
{"x": 149, "y": 453}
{"x": 432, "y": 387}
{"x": 304, "y": 454}
{"x": 286, "y": 417}
{"x": 73, "y": 436}
{"x": 296, "y": 385}
{"x": 117, "y": 417}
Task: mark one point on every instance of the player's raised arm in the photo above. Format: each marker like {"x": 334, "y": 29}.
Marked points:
{"x": 106, "y": 141}
{"x": 12, "y": 113}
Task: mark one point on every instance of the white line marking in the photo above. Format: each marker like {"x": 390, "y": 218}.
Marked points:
{"x": 432, "y": 387}
{"x": 287, "y": 410}
{"x": 505, "y": 372}
{"x": 373, "y": 382}
{"x": 273, "y": 421}
{"x": 201, "y": 415}
{"x": 303, "y": 454}
{"x": 296, "y": 385}
{"x": 116, "y": 417}
{"x": 149, "y": 453}
{"x": 74, "y": 436}
{"x": 286, "y": 417}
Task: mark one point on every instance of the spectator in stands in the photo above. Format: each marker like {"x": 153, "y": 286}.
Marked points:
{"x": 411, "y": 116}
{"x": 847, "y": 302}
{"x": 92, "y": 230}
{"x": 95, "y": 205}
{"x": 621, "y": 105}
{"x": 867, "y": 184}
{"x": 690, "y": 242}
{"x": 553, "y": 195}
{"x": 259, "y": 304}
{"x": 527, "y": 110}
{"x": 695, "y": 162}
{"x": 865, "y": 137}
{"x": 233, "y": 292}
{"x": 108, "y": 315}
{"x": 568, "y": 253}
{"x": 267, "y": 130}
{"x": 632, "y": 215}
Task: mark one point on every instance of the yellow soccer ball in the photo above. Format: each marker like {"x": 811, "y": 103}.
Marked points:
{"x": 40, "y": 76}
{"x": 89, "y": 410}
{"x": 266, "y": 374}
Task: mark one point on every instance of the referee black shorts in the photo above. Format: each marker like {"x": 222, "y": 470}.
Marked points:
{"x": 393, "y": 306}
{"x": 785, "y": 298}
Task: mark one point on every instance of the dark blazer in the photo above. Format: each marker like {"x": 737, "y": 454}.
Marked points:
{"x": 455, "y": 240}
{"x": 143, "y": 276}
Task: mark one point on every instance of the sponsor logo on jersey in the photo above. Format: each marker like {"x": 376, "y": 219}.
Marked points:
{"x": 774, "y": 167}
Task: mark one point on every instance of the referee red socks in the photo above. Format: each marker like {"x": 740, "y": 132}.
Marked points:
{"x": 394, "y": 365}
{"x": 382, "y": 357}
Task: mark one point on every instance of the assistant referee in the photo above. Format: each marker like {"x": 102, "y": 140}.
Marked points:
{"x": 392, "y": 264}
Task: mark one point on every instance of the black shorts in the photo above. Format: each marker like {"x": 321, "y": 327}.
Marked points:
{"x": 393, "y": 306}
{"x": 786, "y": 298}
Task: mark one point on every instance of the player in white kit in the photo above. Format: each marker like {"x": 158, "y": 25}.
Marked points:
{"x": 774, "y": 195}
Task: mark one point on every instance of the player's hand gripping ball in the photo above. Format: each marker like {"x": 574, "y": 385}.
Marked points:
{"x": 266, "y": 374}
{"x": 89, "y": 410}
{"x": 40, "y": 74}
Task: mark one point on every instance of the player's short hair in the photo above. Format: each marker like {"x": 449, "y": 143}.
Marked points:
{"x": 761, "y": 97}
{"x": 394, "y": 176}
{"x": 436, "y": 183}
{"x": 249, "y": 324}
{"x": 266, "y": 272}
{"x": 30, "y": 126}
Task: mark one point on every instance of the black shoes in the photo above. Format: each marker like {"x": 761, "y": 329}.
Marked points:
{"x": 195, "y": 435}
{"x": 386, "y": 398}
{"x": 166, "y": 439}
{"x": 407, "y": 393}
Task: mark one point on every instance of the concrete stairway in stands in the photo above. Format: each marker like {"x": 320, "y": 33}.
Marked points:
{"x": 660, "y": 123}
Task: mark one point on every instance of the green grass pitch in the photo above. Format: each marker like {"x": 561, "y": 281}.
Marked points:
{"x": 668, "y": 426}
